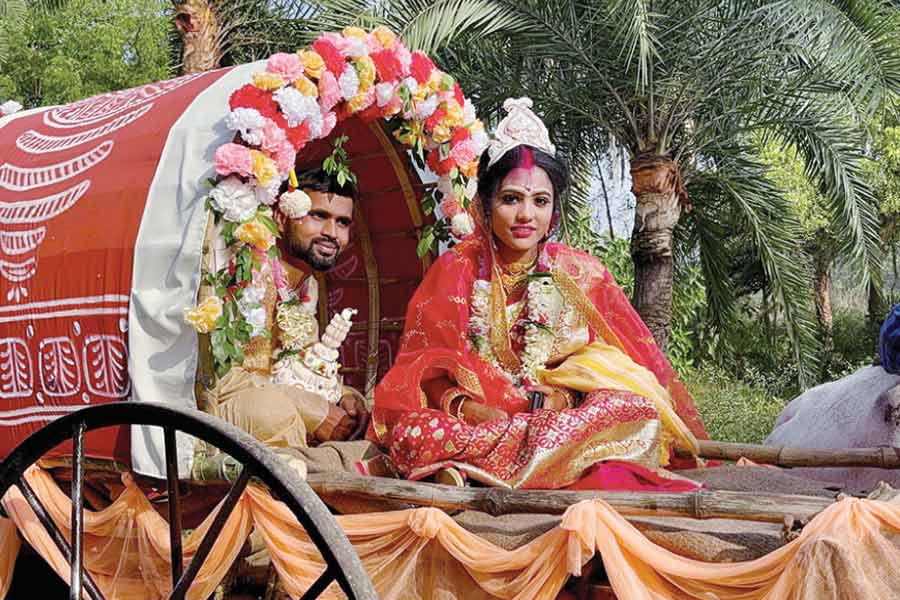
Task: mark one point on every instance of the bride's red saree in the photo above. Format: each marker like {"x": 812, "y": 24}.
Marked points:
{"x": 435, "y": 343}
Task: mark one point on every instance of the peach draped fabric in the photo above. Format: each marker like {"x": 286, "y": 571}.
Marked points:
{"x": 847, "y": 551}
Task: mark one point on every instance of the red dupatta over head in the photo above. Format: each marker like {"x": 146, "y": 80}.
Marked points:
{"x": 435, "y": 341}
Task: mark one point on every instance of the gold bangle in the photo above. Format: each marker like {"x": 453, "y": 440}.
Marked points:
{"x": 447, "y": 398}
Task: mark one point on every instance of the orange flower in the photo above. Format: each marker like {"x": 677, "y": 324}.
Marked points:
{"x": 255, "y": 234}
{"x": 470, "y": 169}
{"x": 313, "y": 63}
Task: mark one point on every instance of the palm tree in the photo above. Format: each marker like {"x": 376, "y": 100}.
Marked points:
{"x": 689, "y": 87}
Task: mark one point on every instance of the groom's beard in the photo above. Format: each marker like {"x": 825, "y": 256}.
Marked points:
{"x": 312, "y": 255}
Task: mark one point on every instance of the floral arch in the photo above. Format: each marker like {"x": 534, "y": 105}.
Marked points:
{"x": 300, "y": 98}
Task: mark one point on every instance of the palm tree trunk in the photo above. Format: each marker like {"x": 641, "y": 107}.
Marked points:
{"x": 822, "y": 285}
{"x": 656, "y": 183}
{"x": 199, "y": 29}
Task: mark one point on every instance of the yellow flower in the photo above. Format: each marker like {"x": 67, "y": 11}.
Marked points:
{"x": 421, "y": 93}
{"x": 476, "y": 127}
{"x": 255, "y": 234}
{"x": 385, "y": 36}
{"x": 469, "y": 170}
{"x": 264, "y": 168}
{"x": 204, "y": 316}
{"x": 455, "y": 114}
{"x": 408, "y": 135}
{"x": 442, "y": 132}
{"x": 365, "y": 66}
{"x": 268, "y": 81}
{"x": 306, "y": 87}
{"x": 355, "y": 32}
{"x": 435, "y": 80}
{"x": 358, "y": 102}
{"x": 312, "y": 63}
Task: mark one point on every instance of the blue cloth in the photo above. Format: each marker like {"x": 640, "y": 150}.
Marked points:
{"x": 889, "y": 342}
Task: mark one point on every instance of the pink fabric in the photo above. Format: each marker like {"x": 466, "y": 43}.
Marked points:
{"x": 624, "y": 476}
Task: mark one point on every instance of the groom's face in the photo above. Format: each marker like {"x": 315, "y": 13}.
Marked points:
{"x": 321, "y": 236}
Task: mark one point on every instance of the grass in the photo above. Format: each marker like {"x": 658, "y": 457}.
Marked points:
{"x": 733, "y": 411}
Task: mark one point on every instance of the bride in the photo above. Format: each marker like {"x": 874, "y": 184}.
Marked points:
{"x": 522, "y": 364}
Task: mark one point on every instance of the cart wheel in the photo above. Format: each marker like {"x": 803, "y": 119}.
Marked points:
{"x": 341, "y": 562}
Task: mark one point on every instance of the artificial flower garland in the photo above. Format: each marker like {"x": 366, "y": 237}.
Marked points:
{"x": 300, "y": 97}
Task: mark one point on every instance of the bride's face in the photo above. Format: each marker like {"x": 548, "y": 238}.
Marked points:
{"x": 522, "y": 208}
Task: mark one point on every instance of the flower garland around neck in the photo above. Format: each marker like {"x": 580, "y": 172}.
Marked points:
{"x": 538, "y": 325}
{"x": 301, "y": 97}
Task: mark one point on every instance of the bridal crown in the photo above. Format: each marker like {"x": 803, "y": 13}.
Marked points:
{"x": 519, "y": 127}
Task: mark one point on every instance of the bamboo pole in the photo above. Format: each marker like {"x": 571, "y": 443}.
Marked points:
{"x": 784, "y": 456}
{"x": 700, "y": 504}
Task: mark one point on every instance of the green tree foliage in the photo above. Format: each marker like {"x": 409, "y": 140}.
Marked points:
{"x": 52, "y": 54}
{"x": 696, "y": 82}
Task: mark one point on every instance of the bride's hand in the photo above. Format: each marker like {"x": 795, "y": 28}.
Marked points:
{"x": 474, "y": 412}
{"x": 554, "y": 398}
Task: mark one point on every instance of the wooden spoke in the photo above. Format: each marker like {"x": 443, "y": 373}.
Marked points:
{"x": 56, "y": 535}
{"x": 77, "y": 560}
{"x": 320, "y": 584}
{"x": 174, "y": 504}
{"x": 256, "y": 460}
{"x": 206, "y": 544}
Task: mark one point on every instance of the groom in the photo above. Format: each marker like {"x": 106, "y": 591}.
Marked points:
{"x": 285, "y": 416}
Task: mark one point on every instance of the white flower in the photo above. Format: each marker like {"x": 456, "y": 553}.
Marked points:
{"x": 296, "y": 106}
{"x": 234, "y": 199}
{"x": 480, "y": 140}
{"x": 384, "y": 92}
{"x": 355, "y": 48}
{"x": 253, "y": 295}
{"x": 256, "y": 317}
{"x": 315, "y": 121}
{"x": 461, "y": 225}
{"x": 249, "y": 122}
{"x": 296, "y": 204}
{"x": 471, "y": 188}
{"x": 9, "y": 107}
{"x": 269, "y": 193}
{"x": 349, "y": 83}
{"x": 426, "y": 108}
{"x": 445, "y": 187}
{"x": 411, "y": 84}
{"x": 468, "y": 112}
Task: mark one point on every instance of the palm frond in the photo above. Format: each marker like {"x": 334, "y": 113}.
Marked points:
{"x": 762, "y": 212}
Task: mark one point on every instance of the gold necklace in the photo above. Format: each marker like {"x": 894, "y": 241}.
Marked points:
{"x": 514, "y": 275}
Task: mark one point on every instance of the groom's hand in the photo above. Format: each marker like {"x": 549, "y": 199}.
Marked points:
{"x": 355, "y": 408}
{"x": 338, "y": 425}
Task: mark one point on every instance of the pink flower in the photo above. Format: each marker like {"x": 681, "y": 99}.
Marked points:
{"x": 328, "y": 123}
{"x": 289, "y": 66}
{"x": 329, "y": 91}
{"x": 372, "y": 43}
{"x": 404, "y": 56}
{"x": 285, "y": 157}
{"x": 233, "y": 158}
{"x": 421, "y": 67}
{"x": 450, "y": 207}
{"x": 464, "y": 152}
{"x": 331, "y": 54}
{"x": 273, "y": 136}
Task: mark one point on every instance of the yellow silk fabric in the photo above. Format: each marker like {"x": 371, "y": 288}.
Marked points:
{"x": 600, "y": 366}
{"x": 849, "y": 550}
